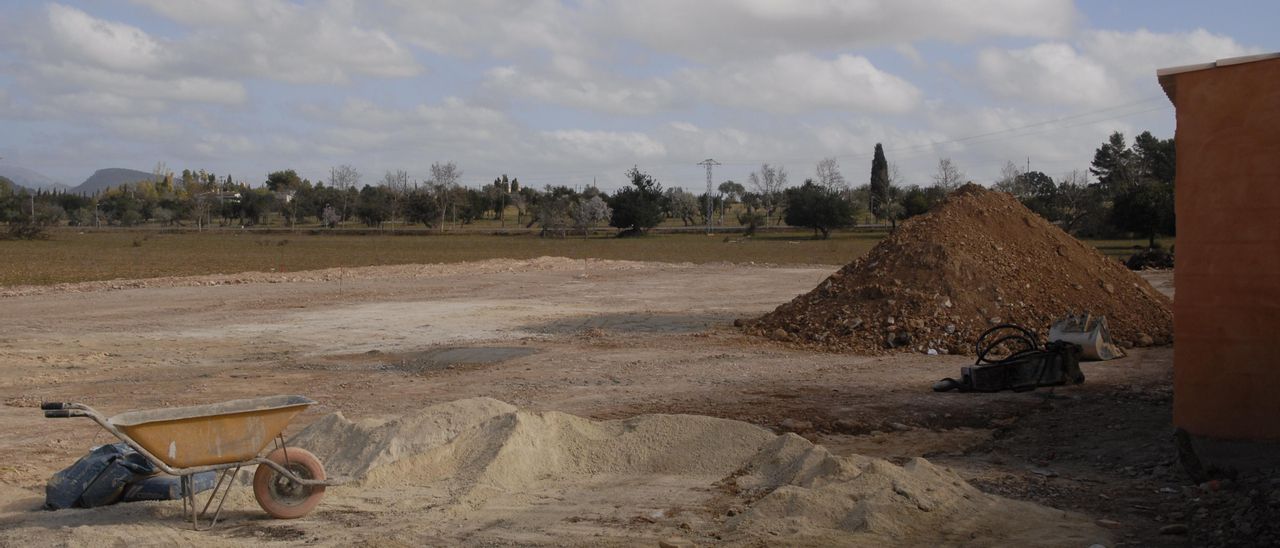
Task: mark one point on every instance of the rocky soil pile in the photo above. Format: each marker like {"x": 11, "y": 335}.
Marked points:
{"x": 980, "y": 259}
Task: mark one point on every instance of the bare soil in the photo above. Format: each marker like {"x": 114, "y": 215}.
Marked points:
{"x": 604, "y": 339}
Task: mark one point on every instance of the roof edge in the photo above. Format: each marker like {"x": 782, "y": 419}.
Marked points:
{"x": 1166, "y": 75}
{"x": 1219, "y": 63}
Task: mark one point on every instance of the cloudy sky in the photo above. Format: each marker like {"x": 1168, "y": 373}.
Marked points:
{"x": 570, "y": 92}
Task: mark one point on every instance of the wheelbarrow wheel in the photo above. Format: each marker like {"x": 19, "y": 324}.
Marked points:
{"x": 282, "y": 497}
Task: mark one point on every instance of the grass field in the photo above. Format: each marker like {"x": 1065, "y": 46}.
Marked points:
{"x": 69, "y": 256}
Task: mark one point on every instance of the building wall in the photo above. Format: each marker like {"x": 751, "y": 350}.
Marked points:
{"x": 1227, "y": 308}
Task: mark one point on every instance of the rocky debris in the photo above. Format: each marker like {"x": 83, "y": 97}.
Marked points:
{"x": 1149, "y": 259}
{"x": 1244, "y": 511}
{"x": 795, "y": 425}
{"x": 981, "y": 258}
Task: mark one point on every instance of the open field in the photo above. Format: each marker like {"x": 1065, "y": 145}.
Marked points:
{"x": 71, "y": 256}
{"x": 598, "y": 339}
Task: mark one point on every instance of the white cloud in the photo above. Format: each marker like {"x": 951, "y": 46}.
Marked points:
{"x": 78, "y": 79}
{"x": 802, "y": 81}
{"x": 1138, "y": 54}
{"x": 602, "y": 146}
{"x": 273, "y": 39}
{"x": 497, "y": 27}
{"x": 728, "y": 29}
{"x": 1050, "y": 72}
{"x": 143, "y": 127}
{"x": 104, "y": 44}
{"x": 594, "y": 91}
{"x": 218, "y": 146}
{"x": 1101, "y": 68}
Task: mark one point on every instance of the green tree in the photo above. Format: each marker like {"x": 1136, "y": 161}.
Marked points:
{"x": 1113, "y": 164}
{"x": 1155, "y": 157}
{"x": 1144, "y": 208}
{"x": 914, "y": 201}
{"x": 283, "y": 181}
{"x": 374, "y": 205}
{"x": 638, "y": 207}
{"x": 818, "y": 207}
{"x": 880, "y": 195}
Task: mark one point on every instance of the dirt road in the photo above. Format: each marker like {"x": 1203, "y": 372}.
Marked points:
{"x": 598, "y": 339}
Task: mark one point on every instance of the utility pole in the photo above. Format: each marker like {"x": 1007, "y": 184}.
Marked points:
{"x": 709, "y": 162}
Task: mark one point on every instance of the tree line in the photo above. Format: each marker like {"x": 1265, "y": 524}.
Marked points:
{"x": 1131, "y": 193}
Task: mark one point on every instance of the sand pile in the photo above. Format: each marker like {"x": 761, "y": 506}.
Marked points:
{"x": 518, "y": 450}
{"x": 489, "y": 460}
{"x": 979, "y": 259}
{"x": 351, "y": 449}
{"x": 809, "y": 496}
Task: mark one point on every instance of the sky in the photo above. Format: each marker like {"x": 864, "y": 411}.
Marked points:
{"x": 577, "y": 92}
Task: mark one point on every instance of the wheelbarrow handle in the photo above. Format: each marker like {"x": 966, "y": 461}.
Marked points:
{"x": 62, "y": 413}
{"x": 52, "y": 405}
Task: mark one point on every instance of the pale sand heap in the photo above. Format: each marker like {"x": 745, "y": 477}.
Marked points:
{"x": 484, "y": 451}
{"x": 480, "y": 472}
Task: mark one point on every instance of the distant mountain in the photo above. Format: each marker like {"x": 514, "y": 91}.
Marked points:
{"x": 111, "y": 177}
{"x": 30, "y": 179}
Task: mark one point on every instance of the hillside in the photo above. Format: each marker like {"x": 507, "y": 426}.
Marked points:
{"x": 27, "y": 178}
{"x": 111, "y": 177}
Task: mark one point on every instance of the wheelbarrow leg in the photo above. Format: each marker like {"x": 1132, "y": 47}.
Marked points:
{"x": 196, "y": 512}
{"x": 230, "y": 477}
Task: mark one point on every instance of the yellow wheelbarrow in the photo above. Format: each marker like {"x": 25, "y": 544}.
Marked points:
{"x": 223, "y": 437}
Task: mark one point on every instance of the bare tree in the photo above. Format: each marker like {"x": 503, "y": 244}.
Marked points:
{"x": 587, "y": 213}
{"x": 1076, "y": 201}
{"x": 397, "y": 184}
{"x": 682, "y": 205}
{"x": 829, "y": 176}
{"x": 768, "y": 183}
{"x": 522, "y": 205}
{"x": 444, "y": 179}
{"x": 948, "y": 177}
{"x": 344, "y": 178}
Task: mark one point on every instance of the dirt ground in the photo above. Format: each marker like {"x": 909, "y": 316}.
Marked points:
{"x": 598, "y": 339}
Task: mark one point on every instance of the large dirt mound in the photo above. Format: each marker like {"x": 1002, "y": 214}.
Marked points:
{"x": 979, "y": 259}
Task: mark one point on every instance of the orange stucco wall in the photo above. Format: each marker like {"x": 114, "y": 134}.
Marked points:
{"x": 1227, "y": 308}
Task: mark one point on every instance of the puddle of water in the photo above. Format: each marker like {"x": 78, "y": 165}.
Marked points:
{"x": 631, "y": 323}
{"x": 446, "y": 358}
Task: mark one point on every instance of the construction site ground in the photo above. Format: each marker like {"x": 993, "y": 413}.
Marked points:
{"x": 599, "y": 339}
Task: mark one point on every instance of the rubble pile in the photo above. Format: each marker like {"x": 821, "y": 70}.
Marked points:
{"x": 979, "y": 259}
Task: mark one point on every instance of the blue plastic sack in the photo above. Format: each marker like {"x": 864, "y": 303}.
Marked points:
{"x": 166, "y": 487}
{"x": 97, "y": 479}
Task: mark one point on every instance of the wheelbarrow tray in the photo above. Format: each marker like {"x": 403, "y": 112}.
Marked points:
{"x": 203, "y": 435}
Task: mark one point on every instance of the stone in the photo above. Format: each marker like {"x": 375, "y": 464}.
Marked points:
{"x": 675, "y": 542}
{"x": 1145, "y": 340}
{"x": 797, "y": 426}
{"x": 780, "y": 334}
{"x": 848, "y": 426}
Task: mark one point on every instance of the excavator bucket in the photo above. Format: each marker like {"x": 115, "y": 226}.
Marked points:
{"x": 1088, "y": 331}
